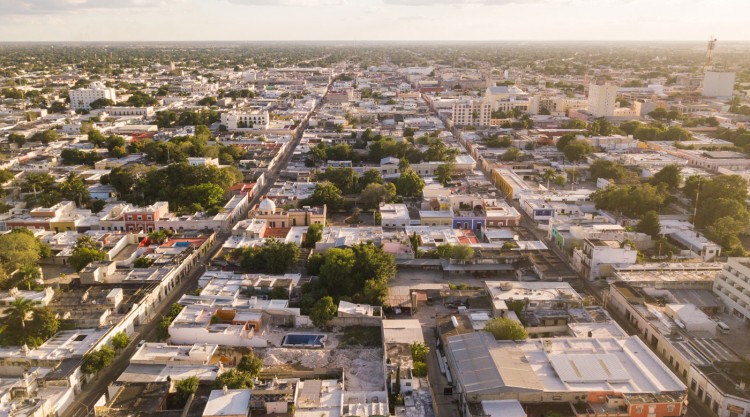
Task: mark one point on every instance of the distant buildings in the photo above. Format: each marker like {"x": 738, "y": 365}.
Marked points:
{"x": 81, "y": 99}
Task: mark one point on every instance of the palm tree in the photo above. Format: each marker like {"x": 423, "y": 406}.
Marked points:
{"x": 548, "y": 174}
{"x": 30, "y": 274}
{"x": 74, "y": 188}
{"x": 19, "y": 311}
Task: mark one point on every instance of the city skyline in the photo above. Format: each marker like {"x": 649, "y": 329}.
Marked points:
{"x": 377, "y": 20}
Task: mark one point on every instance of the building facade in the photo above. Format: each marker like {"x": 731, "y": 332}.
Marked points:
{"x": 81, "y": 99}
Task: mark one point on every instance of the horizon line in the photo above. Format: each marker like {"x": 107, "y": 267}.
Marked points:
{"x": 371, "y": 40}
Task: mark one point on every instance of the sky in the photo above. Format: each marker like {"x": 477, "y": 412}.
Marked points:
{"x": 360, "y": 20}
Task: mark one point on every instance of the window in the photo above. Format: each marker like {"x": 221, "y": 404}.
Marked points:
{"x": 140, "y": 217}
{"x": 639, "y": 409}
{"x": 670, "y": 408}
{"x": 149, "y": 217}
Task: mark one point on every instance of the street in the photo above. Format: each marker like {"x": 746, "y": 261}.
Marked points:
{"x": 96, "y": 387}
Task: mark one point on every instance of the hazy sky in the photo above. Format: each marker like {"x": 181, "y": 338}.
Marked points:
{"x": 351, "y": 20}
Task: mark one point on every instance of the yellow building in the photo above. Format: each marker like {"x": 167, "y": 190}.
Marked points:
{"x": 281, "y": 218}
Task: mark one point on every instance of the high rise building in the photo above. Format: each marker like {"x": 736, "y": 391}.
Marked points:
{"x": 82, "y": 98}
{"x": 472, "y": 113}
{"x": 602, "y": 99}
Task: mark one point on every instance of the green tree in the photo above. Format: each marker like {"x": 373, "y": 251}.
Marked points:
{"x": 159, "y": 236}
{"x": 511, "y": 154}
{"x": 326, "y": 193}
{"x": 649, "y": 224}
{"x": 97, "y": 205}
{"x": 564, "y": 140}
{"x": 631, "y": 200}
{"x": 409, "y": 184}
{"x": 86, "y": 250}
{"x": 250, "y": 364}
{"x": 603, "y": 168}
{"x": 375, "y": 194}
{"x": 419, "y": 351}
{"x": 29, "y": 275}
{"x": 576, "y": 150}
{"x": 313, "y": 235}
{"x": 602, "y": 127}
{"x": 549, "y": 174}
{"x": 274, "y": 257}
{"x": 184, "y": 389}
{"x": 101, "y": 102}
{"x": 5, "y": 176}
{"x": 120, "y": 340}
{"x": 19, "y": 312}
{"x": 18, "y": 139}
{"x": 74, "y": 189}
{"x": 448, "y": 251}
{"x": 278, "y": 293}
{"x": 504, "y": 328}
{"x": 19, "y": 248}
{"x": 37, "y": 182}
{"x": 322, "y": 312}
{"x": 359, "y": 273}
{"x": 234, "y": 379}
{"x": 97, "y": 360}
{"x": 203, "y": 197}
{"x": 345, "y": 179}
{"x": 419, "y": 369}
{"x": 444, "y": 173}
{"x": 724, "y": 231}
{"x": 371, "y": 176}
{"x": 714, "y": 209}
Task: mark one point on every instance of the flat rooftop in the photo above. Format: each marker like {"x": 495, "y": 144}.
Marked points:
{"x": 622, "y": 365}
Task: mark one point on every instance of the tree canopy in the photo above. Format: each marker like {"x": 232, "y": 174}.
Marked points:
{"x": 322, "y": 312}
{"x": 631, "y": 200}
{"x": 358, "y": 274}
{"x": 649, "y": 224}
{"x": 503, "y": 328}
{"x": 274, "y": 257}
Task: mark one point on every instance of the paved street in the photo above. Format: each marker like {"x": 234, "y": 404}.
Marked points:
{"x": 95, "y": 388}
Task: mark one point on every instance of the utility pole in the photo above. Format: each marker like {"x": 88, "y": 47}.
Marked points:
{"x": 695, "y": 209}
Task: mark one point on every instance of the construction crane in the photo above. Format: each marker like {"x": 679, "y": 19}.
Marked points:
{"x": 710, "y": 54}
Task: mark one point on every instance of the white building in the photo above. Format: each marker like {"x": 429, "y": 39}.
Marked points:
{"x": 602, "y": 99}
{"x": 472, "y": 113}
{"x": 718, "y": 84}
{"x": 732, "y": 285}
{"x": 254, "y": 119}
{"x": 598, "y": 256}
{"x": 394, "y": 215}
{"x": 506, "y": 98}
{"x": 228, "y": 403}
{"x": 129, "y": 111}
{"x": 82, "y": 98}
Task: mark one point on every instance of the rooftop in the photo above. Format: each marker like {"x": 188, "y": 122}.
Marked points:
{"x": 228, "y": 402}
{"x": 624, "y": 365}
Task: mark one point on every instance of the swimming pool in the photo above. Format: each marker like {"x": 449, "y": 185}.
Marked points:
{"x": 304, "y": 340}
{"x": 182, "y": 244}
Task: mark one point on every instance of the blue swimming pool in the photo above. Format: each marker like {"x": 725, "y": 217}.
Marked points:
{"x": 182, "y": 244}
{"x": 304, "y": 340}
